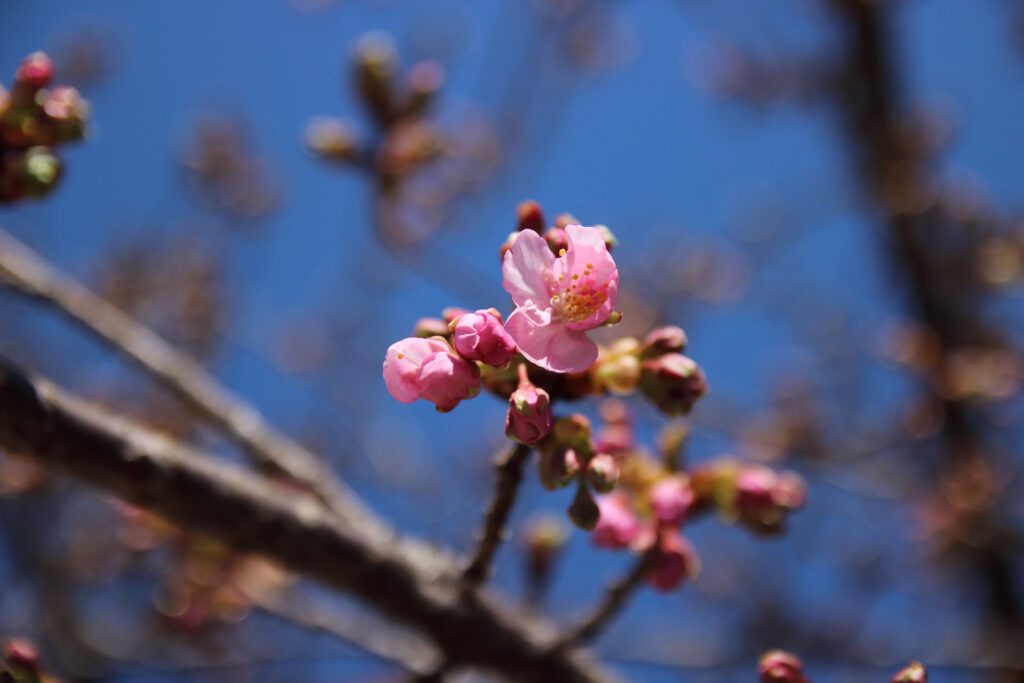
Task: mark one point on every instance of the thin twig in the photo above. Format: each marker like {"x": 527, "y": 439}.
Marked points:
{"x": 26, "y": 272}
{"x": 251, "y": 514}
{"x": 509, "y": 468}
{"x": 614, "y": 600}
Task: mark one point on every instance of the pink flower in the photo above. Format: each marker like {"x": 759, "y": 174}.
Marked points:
{"x": 529, "y": 416}
{"x": 670, "y": 499}
{"x": 617, "y": 526}
{"x": 558, "y": 299}
{"x": 481, "y": 336}
{"x": 426, "y": 368}
{"x": 676, "y": 562}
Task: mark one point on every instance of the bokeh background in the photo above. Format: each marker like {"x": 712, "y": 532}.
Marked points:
{"x": 714, "y": 137}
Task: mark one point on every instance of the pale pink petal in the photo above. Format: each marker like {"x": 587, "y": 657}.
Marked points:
{"x": 526, "y": 269}
{"x": 549, "y": 343}
{"x": 588, "y": 265}
{"x": 445, "y": 379}
{"x": 402, "y": 364}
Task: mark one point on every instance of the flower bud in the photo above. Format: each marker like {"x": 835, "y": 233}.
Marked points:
{"x": 780, "y": 667}
{"x": 675, "y": 562}
{"x": 529, "y": 416}
{"x": 557, "y": 239}
{"x": 481, "y": 336}
{"x": 376, "y": 62}
{"x": 557, "y": 467}
{"x": 426, "y": 368}
{"x": 529, "y": 216}
{"x": 425, "y": 81}
{"x": 68, "y": 112}
{"x": 451, "y": 313}
{"x": 564, "y": 219}
{"x": 912, "y": 673}
{"x": 35, "y": 71}
{"x": 583, "y": 511}
{"x": 20, "y": 660}
{"x": 617, "y": 526}
{"x": 603, "y": 473}
{"x": 662, "y": 340}
{"x": 610, "y": 240}
{"x": 671, "y": 499}
{"x": 544, "y": 539}
{"x": 506, "y": 245}
{"x": 673, "y": 381}
{"x": 332, "y": 139}
{"x": 573, "y": 432}
{"x": 409, "y": 145}
{"x": 29, "y": 173}
{"x": 617, "y": 369}
{"x": 430, "y": 327}
{"x": 754, "y": 490}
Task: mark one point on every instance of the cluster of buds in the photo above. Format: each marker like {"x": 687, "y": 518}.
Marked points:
{"x": 34, "y": 118}
{"x": 647, "y": 513}
{"x": 778, "y": 666}
{"x": 21, "y": 664}
{"x": 441, "y": 362}
{"x": 753, "y": 495}
{"x": 397, "y": 105}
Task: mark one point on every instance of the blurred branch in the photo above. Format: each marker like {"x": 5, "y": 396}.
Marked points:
{"x": 509, "y": 468}
{"x": 253, "y": 515}
{"x": 412, "y": 653}
{"x": 614, "y": 600}
{"x": 26, "y": 272}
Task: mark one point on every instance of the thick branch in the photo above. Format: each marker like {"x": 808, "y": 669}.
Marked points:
{"x": 510, "y": 474}
{"x": 253, "y": 515}
{"x": 28, "y": 273}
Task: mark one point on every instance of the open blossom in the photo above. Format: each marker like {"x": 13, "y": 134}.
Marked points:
{"x": 481, "y": 336}
{"x": 558, "y": 299}
{"x": 426, "y": 368}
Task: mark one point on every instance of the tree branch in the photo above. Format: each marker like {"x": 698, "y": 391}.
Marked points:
{"x": 509, "y": 468}
{"x": 614, "y": 600}
{"x": 253, "y": 515}
{"x": 24, "y": 271}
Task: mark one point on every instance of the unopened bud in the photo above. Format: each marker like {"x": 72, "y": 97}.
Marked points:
{"x": 529, "y": 216}
{"x": 557, "y": 239}
{"x": 603, "y": 473}
{"x": 482, "y": 336}
{"x": 913, "y": 673}
{"x": 671, "y": 499}
{"x": 376, "y": 62}
{"x": 673, "y": 381}
{"x": 451, "y": 313}
{"x": 618, "y": 369}
{"x": 780, "y": 667}
{"x": 529, "y": 417}
{"x": 557, "y": 467}
{"x": 430, "y": 327}
{"x": 20, "y": 660}
{"x": 574, "y": 432}
{"x": 544, "y": 539}
{"x": 583, "y": 511}
{"x": 425, "y": 81}
{"x": 675, "y": 562}
{"x": 68, "y": 113}
{"x": 662, "y": 340}
{"x": 332, "y": 139}
{"x": 610, "y": 240}
{"x": 564, "y": 219}
{"x": 35, "y": 71}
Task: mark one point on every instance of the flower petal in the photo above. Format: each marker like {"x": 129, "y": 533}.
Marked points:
{"x": 549, "y": 343}
{"x": 526, "y": 267}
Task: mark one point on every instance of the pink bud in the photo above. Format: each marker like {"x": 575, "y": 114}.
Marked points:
{"x": 35, "y": 71}
{"x": 430, "y": 327}
{"x": 557, "y": 467}
{"x": 529, "y": 216}
{"x": 426, "y": 368}
{"x": 673, "y": 381}
{"x": 662, "y": 340}
{"x": 913, "y": 673}
{"x": 617, "y": 526}
{"x": 451, "y": 313}
{"x": 676, "y": 561}
{"x": 481, "y": 336}
{"x": 790, "y": 491}
{"x": 529, "y": 416}
{"x": 603, "y": 473}
{"x": 671, "y": 498}
{"x": 755, "y": 487}
{"x": 781, "y": 667}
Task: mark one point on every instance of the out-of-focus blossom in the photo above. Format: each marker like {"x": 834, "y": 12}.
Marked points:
{"x": 617, "y": 526}
{"x": 912, "y": 673}
{"x": 673, "y": 381}
{"x": 674, "y": 562}
{"x": 671, "y": 498}
{"x": 603, "y": 472}
{"x": 780, "y": 667}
